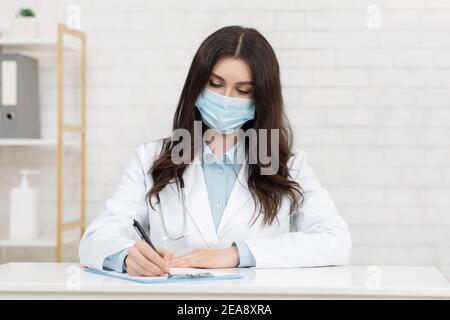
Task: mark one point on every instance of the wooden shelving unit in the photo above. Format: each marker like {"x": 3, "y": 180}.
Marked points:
{"x": 58, "y": 45}
{"x": 41, "y": 43}
{"x": 33, "y": 143}
{"x": 20, "y": 243}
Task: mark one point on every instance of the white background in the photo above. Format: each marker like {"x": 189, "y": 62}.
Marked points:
{"x": 370, "y": 107}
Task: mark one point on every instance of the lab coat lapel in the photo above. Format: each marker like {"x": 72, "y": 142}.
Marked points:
{"x": 238, "y": 197}
{"x": 197, "y": 202}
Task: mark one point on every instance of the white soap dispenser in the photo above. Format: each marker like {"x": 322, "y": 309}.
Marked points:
{"x": 23, "y": 209}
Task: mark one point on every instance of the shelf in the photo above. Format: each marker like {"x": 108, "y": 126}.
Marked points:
{"x": 34, "y": 142}
{"x": 28, "y": 142}
{"x": 33, "y": 242}
{"x": 40, "y": 243}
{"x": 15, "y": 41}
{"x": 46, "y": 43}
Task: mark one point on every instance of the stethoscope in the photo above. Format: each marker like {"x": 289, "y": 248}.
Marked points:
{"x": 183, "y": 200}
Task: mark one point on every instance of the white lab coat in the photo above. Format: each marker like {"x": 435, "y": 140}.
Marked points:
{"x": 316, "y": 235}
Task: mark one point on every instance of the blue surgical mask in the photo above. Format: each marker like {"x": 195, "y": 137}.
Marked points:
{"x": 224, "y": 113}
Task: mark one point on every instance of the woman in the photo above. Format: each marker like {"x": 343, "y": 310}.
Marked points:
{"x": 215, "y": 208}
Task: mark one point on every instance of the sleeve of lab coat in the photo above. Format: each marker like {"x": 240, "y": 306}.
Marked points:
{"x": 112, "y": 230}
{"x": 319, "y": 236}
{"x": 116, "y": 261}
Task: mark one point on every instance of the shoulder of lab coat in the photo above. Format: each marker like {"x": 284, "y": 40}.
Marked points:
{"x": 320, "y": 237}
{"x": 112, "y": 230}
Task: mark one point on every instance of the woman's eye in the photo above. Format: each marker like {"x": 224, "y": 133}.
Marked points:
{"x": 215, "y": 85}
{"x": 243, "y": 92}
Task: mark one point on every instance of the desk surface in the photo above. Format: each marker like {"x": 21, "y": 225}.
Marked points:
{"x": 69, "y": 281}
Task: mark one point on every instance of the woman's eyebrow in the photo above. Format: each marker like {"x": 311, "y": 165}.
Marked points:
{"x": 245, "y": 82}
{"x": 217, "y": 76}
{"x": 240, "y": 82}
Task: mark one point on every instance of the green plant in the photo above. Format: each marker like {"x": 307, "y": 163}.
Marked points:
{"x": 25, "y": 12}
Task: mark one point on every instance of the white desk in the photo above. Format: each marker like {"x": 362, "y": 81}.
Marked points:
{"x": 69, "y": 281}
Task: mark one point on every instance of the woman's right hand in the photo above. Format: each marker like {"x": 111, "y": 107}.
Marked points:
{"x": 142, "y": 260}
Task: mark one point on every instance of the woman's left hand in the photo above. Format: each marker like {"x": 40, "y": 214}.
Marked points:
{"x": 208, "y": 258}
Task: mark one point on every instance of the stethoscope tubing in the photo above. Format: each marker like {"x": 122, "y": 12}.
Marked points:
{"x": 184, "y": 228}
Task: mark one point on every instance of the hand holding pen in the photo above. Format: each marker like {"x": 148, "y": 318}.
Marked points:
{"x": 144, "y": 259}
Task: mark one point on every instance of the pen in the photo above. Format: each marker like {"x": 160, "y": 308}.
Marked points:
{"x": 144, "y": 237}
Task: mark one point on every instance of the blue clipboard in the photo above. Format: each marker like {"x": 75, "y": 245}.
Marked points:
{"x": 202, "y": 276}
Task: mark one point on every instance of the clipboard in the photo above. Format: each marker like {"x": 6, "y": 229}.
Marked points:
{"x": 177, "y": 275}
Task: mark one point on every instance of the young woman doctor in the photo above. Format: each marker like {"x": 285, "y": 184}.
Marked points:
{"x": 220, "y": 211}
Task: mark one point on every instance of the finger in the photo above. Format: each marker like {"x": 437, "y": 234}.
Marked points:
{"x": 171, "y": 256}
{"x": 165, "y": 251}
{"x": 189, "y": 262}
{"x": 152, "y": 255}
{"x": 130, "y": 254}
{"x": 133, "y": 269}
{"x": 176, "y": 260}
{"x": 143, "y": 262}
{"x": 185, "y": 258}
{"x": 145, "y": 271}
{"x": 139, "y": 259}
{"x": 182, "y": 264}
{"x": 130, "y": 269}
{"x": 198, "y": 263}
{"x": 195, "y": 254}
{"x": 188, "y": 255}
{"x": 172, "y": 264}
{"x": 167, "y": 254}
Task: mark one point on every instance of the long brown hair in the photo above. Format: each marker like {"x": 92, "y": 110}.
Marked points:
{"x": 247, "y": 44}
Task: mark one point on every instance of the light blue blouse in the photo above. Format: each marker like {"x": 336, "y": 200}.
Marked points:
{"x": 220, "y": 176}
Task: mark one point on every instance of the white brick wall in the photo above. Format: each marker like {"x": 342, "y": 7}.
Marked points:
{"x": 370, "y": 107}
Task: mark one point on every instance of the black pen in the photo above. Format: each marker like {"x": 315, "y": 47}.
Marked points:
{"x": 144, "y": 237}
